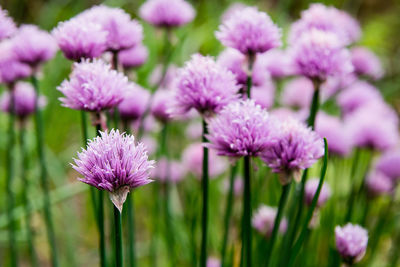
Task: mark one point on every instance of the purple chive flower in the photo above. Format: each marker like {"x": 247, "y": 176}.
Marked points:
{"x": 24, "y": 100}
{"x": 80, "y": 38}
{"x": 133, "y": 57}
{"x": 134, "y": 103}
{"x": 192, "y": 158}
{"x": 318, "y": 54}
{"x": 33, "y": 46}
{"x": 11, "y": 69}
{"x": 277, "y": 62}
{"x": 379, "y": 184}
{"x": 295, "y": 147}
{"x": 162, "y": 102}
{"x": 122, "y": 31}
{"x": 335, "y": 132}
{"x": 310, "y": 190}
{"x": 298, "y": 93}
{"x": 93, "y": 86}
{"x": 356, "y": 95}
{"x": 205, "y": 86}
{"x": 213, "y": 262}
{"x": 249, "y": 31}
{"x": 264, "y": 94}
{"x": 324, "y": 18}
{"x": 7, "y": 25}
{"x": 365, "y": 62}
{"x": 264, "y": 218}
{"x": 242, "y": 128}
{"x": 167, "y": 13}
{"x": 389, "y": 164}
{"x": 115, "y": 163}
{"x": 351, "y": 242}
{"x": 231, "y": 10}
{"x": 172, "y": 171}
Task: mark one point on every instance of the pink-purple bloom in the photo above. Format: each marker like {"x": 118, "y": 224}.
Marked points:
{"x": 249, "y": 31}
{"x": 133, "y": 57}
{"x": 205, "y": 86}
{"x": 7, "y": 25}
{"x": 115, "y": 163}
{"x": 93, "y": 86}
{"x": 365, "y": 62}
{"x": 310, "y": 190}
{"x": 298, "y": 93}
{"x": 134, "y": 103}
{"x": 167, "y": 13}
{"x": 11, "y": 69}
{"x": 351, "y": 242}
{"x": 33, "y": 46}
{"x": 378, "y": 183}
{"x": 277, "y": 62}
{"x": 242, "y": 128}
{"x": 80, "y": 38}
{"x": 319, "y": 54}
{"x": 389, "y": 164}
{"x": 162, "y": 102}
{"x": 264, "y": 218}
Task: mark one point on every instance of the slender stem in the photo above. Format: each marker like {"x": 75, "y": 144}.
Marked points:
{"x": 246, "y": 219}
{"x": 353, "y": 171}
{"x": 25, "y": 190}
{"x": 10, "y": 178}
{"x": 277, "y": 222}
{"x": 43, "y": 175}
{"x": 314, "y": 105}
{"x": 204, "y": 181}
{"x": 228, "y": 211}
{"x": 251, "y": 58}
{"x": 118, "y": 237}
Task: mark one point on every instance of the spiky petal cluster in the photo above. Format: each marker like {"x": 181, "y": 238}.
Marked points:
{"x": 167, "y": 13}
{"x": 93, "y": 86}
{"x": 264, "y": 218}
{"x": 115, "y": 163}
{"x": 242, "y": 128}
{"x": 11, "y": 69}
{"x": 205, "y": 86}
{"x": 298, "y": 93}
{"x": 324, "y": 18}
{"x": 7, "y": 25}
{"x": 134, "y": 103}
{"x": 310, "y": 190}
{"x": 295, "y": 147}
{"x": 249, "y": 31}
{"x": 33, "y": 46}
{"x": 389, "y": 164}
{"x": 318, "y": 54}
{"x": 351, "y": 242}
{"x": 365, "y": 62}
{"x": 379, "y": 184}
{"x": 80, "y": 38}
{"x": 133, "y": 57}
{"x": 122, "y": 31}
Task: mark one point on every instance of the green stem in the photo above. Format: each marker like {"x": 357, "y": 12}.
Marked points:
{"x": 118, "y": 237}
{"x": 277, "y": 222}
{"x": 25, "y": 190}
{"x": 305, "y": 230}
{"x": 204, "y": 181}
{"x": 246, "y": 219}
{"x": 228, "y": 211}
{"x": 314, "y": 105}
{"x": 351, "y": 200}
{"x": 43, "y": 175}
{"x": 10, "y": 178}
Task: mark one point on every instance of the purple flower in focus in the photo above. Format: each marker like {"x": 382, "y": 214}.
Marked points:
{"x": 172, "y": 171}
{"x": 113, "y": 162}
{"x": 93, "y": 86}
{"x": 11, "y": 69}
{"x": 33, "y": 46}
{"x": 295, "y": 147}
{"x": 167, "y": 13}
{"x": 379, "y": 184}
{"x": 134, "y": 102}
{"x": 263, "y": 221}
{"x": 365, "y": 62}
{"x": 242, "y": 128}
{"x": 351, "y": 242}
{"x": 205, "y": 86}
{"x": 133, "y": 57}
{"x": 80, "y": 38}
{"x": 310, "y": 190}
{"x": 249, "y": 31}
{"x": 298, "y": 93}
{"x": 318, "y": 54}
{"x": 389, "y": 164}
{"x": 122, "y": 31}
{"x": 7, "y": 25}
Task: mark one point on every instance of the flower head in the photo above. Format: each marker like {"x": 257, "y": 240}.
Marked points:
{"x": 93, "y": 86}
{"x": 365, "y": 62}
{"x": 33, "y": 46}
{"x": 264, "y": 218}
{"x": 379, "y": 184}
{"x": 242, "y": 128}
{"x": 133, "y": 57}
{"x": 298, "y": 93}
{"x": 167, "y": 13}
{"x": 249, "y": 31}
{"x": 318, "y": 54}
{"x": 122, "y": 31}
{"x": 115, "y": 163}
{"x": 310, "y": 190}
{"x": 295, "y": 147}
{"x": 7, "y": 25}
{"x": 80, "y": 38}
{"x": 351, "y": 242}
{"x": 11, "y": 69}
{"x": 389, "y": 164}
{"x": 134, "y": 102}
{"x": 205, "y": 86}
